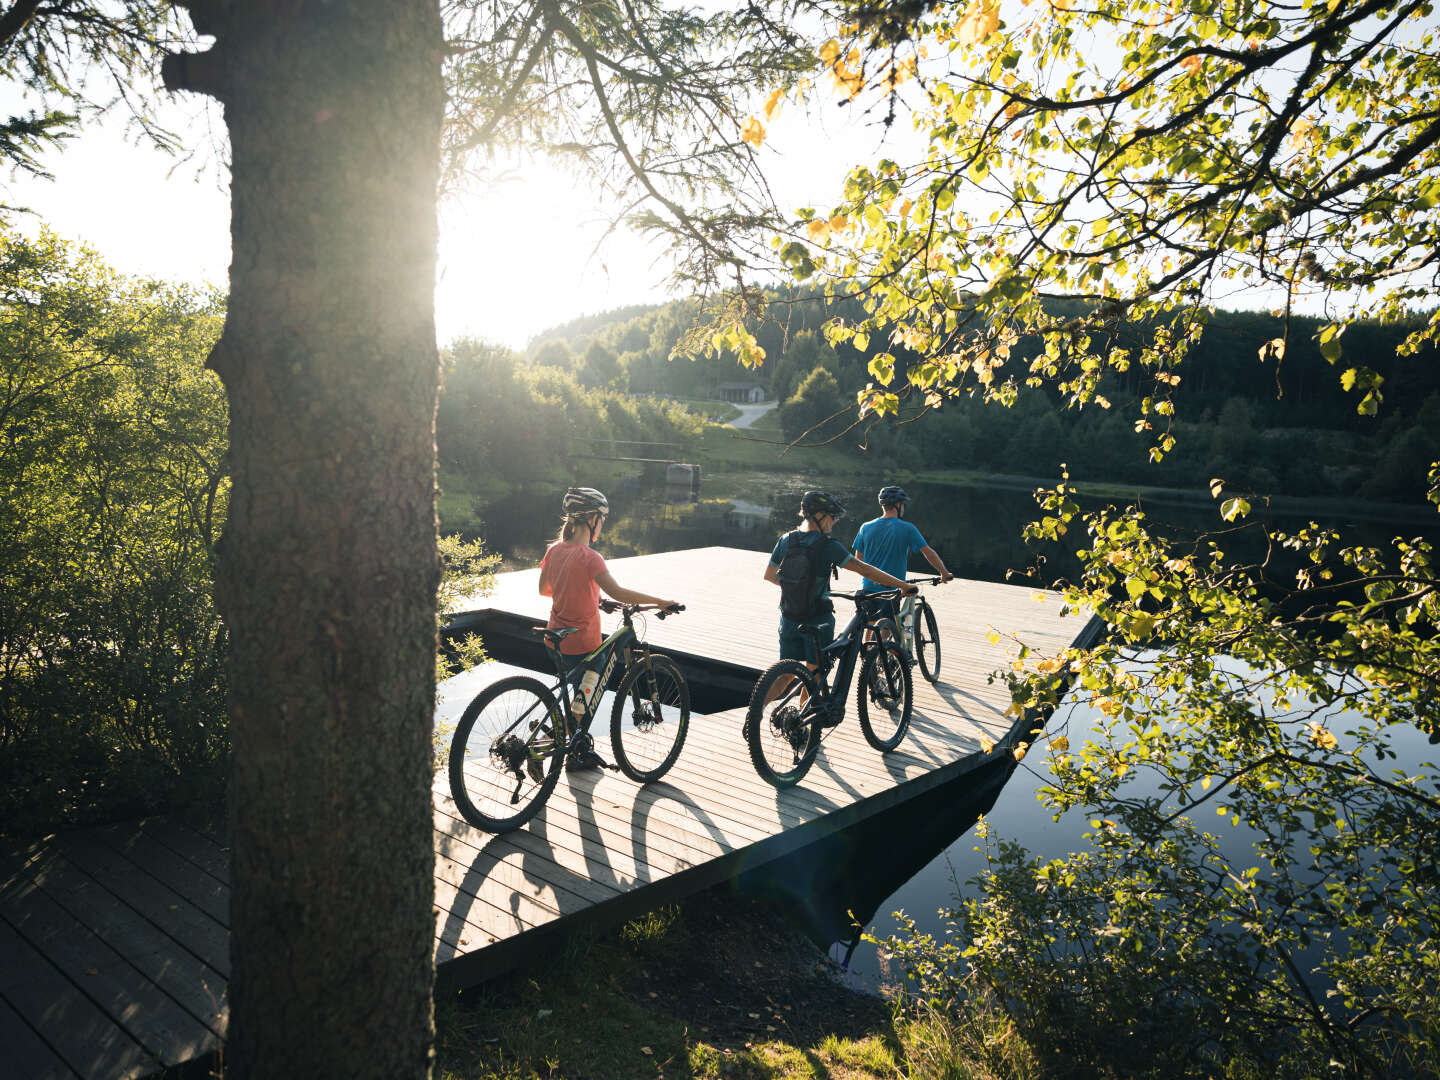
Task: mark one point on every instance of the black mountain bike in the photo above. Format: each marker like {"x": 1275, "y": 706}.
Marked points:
{"x": 792, "y": 707}
{"x": 513, "y": 739}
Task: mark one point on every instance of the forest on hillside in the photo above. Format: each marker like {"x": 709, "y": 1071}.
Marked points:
{"x": 1259, "y": 423}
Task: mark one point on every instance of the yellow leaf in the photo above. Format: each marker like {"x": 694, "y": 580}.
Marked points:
{"x": 829, "y": 51}
{"x": 1019, "y": 750}
{"x": 839, "y": 223}
{"x": 1192, "y": 64}
{"x": 817, "y": 231}
{"x": 1274, "y": 347}
{"x": 978, "y": 23}
{"x": 772, "y": 104}
{"x": 1301, "y": 132}
{"x": 986, "y": 744}
{"x": 1060, "y": 743}
{"x": 753, "y": 132}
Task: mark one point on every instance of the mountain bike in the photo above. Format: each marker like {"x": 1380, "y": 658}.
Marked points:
{"x": 919, "y": 637}
{"x": 922, "y": 635}
{"x": 514, "y": 737}
{"x": 792, "y": 707}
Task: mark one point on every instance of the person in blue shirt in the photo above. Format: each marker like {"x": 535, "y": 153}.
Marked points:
{"x": 889, "y": 540}
{"x": 820, "y": 512}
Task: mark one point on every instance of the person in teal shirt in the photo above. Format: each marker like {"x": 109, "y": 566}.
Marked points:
{"x": 889, "y": 540}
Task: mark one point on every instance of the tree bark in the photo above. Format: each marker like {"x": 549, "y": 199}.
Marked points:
{"x": 327, "y": 569}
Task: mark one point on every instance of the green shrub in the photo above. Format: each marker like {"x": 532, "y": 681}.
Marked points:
{"x": 112, "y": 496}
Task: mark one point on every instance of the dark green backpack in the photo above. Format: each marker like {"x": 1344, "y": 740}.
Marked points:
{"x": 799, "y": 572}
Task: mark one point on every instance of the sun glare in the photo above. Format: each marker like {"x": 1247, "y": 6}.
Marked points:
{"x": 533, "y": 251}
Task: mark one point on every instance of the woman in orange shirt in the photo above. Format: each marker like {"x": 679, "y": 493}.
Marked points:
{"x": 572, "y": 573}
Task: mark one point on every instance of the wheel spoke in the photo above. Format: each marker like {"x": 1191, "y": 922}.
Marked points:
{"x": 781, "y": 726}
{"x": 883, "y": 699}
{"x": 505, "y": 756}
{"x": 650, "y": 718}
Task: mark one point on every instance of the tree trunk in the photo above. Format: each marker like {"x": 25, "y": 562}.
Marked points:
{"x": 328, "y": 569}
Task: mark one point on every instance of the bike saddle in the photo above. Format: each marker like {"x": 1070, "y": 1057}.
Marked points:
{"x": 554, "y": 637}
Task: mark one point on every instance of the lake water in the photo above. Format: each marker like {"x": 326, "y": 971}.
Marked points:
{"x": 977, "y": 530}
{"x": 1018, "y": 815}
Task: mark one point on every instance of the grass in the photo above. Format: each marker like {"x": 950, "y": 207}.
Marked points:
{"x": 643, "y": 1003}
{"x": 716, "y": 988}
{"x": 624, "y": 1006}
{"x": 763, "y": 447}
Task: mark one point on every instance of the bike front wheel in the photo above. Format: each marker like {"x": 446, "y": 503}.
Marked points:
{"x": 926, "y": 637}
{"x": 506, "y": 753}
{"x": 650, "y": 719}
{"x": 782, "y": 726}
{"x": 885, "y": 697}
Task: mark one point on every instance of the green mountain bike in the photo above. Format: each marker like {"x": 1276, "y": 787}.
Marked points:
{"x": 512, "y": 740}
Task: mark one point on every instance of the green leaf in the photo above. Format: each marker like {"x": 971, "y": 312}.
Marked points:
{"x": 1234, "y": 509}
{"x": 1330, "y": 343}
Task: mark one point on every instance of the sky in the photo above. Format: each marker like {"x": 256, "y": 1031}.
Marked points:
{"x": 527, "y": 254}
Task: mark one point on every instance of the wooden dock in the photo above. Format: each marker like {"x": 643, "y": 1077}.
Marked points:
{"x": 114, "y": 942}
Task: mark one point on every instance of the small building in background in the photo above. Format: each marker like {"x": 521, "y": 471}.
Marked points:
{"x": 742, "y": 393}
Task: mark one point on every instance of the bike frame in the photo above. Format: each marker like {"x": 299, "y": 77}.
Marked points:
{"x": 846, "y": 648}
{"x": 622, "y": 644}
{"x": 907, "y": 632}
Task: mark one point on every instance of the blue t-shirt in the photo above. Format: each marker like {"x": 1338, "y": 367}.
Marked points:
{"x": 887, "y": 544}
{"x": 827, "y": 553}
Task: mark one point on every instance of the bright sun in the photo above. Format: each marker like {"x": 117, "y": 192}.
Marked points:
{"x": 532, "y": 252}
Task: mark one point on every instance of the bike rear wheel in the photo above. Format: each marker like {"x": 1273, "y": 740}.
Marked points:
{"x": 784, "y": 734}
{"x": 927, "y": 640}
{"x": 506, "y": 753}
{"x": 885, "y": 696}
{"x": 650, "y": 718}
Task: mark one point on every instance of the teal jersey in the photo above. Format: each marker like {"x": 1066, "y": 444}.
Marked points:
{"x": 887, "y": 544}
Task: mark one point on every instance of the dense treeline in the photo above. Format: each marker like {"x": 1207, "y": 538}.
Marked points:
{"x": 503, "y": 424}
{"x": 112, "y": 495}
{"x": 1258, "y": 423}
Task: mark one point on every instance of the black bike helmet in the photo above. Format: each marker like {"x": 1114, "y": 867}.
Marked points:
{"x": 818, "y": 502}
{"x": 581, "y": 502}
{"x": 891, "y": 494}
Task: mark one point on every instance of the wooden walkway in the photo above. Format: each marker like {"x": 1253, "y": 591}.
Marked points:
{"x": 114, "y": 942}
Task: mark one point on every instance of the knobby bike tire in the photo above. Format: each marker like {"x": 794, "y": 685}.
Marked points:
{"x": 926, "y": 638}
{"x": 791, "y": 738}
{"x": 649, "y": 746}
{"x": 483, "y": 769}
{"x": 886, "y": 696}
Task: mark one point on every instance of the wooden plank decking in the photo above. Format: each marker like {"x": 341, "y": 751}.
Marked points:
{"x": 114, "y": 942}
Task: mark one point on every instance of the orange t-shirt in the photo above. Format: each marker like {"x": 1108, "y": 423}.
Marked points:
{"x": 571, "y": 570}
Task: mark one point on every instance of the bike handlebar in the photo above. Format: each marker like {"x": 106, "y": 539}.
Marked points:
{"x": 611, "y": 606}
{"x": 936, "y": 580}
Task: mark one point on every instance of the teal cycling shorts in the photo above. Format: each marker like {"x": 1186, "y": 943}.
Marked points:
{"x": 795, "y": 644}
